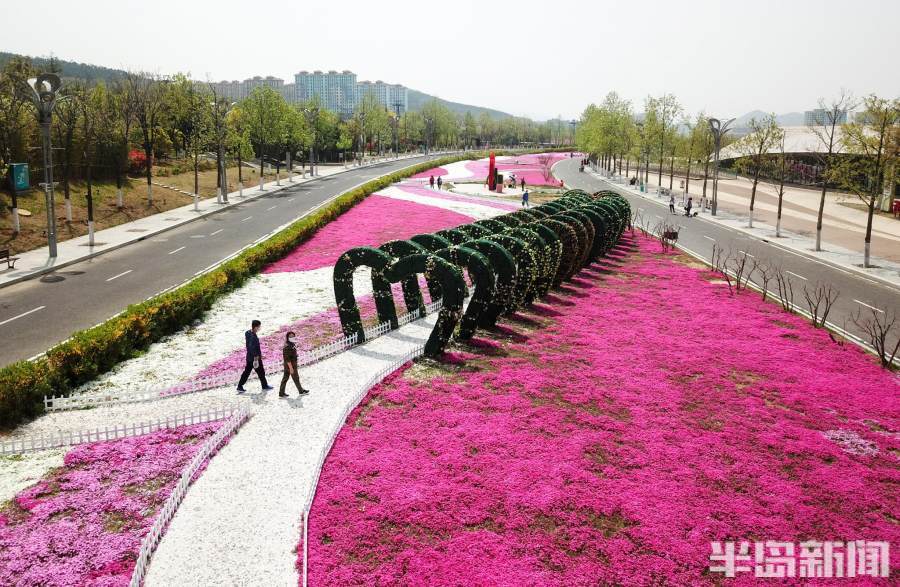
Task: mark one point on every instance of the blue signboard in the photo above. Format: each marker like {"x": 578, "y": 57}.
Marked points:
{"x": 19, "y": 177}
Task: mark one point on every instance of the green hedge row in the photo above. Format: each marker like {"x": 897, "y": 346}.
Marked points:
{"x": 513, "y": 260}
{"x": 94, "y": 351}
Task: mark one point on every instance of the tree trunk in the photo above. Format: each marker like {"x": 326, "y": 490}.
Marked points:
{"x": 687, "y": 178}
{"x": 148, "y": 152}
{"x": 821, "y": 214}
{"x": 705, "y": 176}
{"x": 868, "y": 245}
{"x": 90, "y": 207}
{"x": 671, "y": 170}
{"x": 753, "y": 192}
{"x": 197, "y": 173}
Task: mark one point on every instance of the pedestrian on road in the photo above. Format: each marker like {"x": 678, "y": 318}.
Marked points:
{"x": 672, "y": 203}
{"x": 440, "y": 182}
{"x": 431, "y": 181}
{"x": 289, "y": 352}
{"x": 523, "y": 184}
{"x": 525, "y": 199}
{"x": 254, "y": 359}
{"x": 688, "y": 206}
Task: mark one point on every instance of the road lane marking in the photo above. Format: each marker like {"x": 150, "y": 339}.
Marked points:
{"x": 247, "y": 218}
{"x": 291, "y": 200}
{"x": 271, "y": 208}
{"x": 747, "y": 254}
{"x": 176, "y": 250}
{"x": 709, "y": 238}
{"x": 22, "y": 315}
{"x": 120, "y": 275}
{"x": 868, "y": 306}
{"x": 216, "y": 232}
{"x": 796, "y": 275}
{"x": 198, "y": 236}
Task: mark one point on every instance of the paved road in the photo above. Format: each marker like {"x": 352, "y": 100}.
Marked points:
{"x": 857, "y": 293}
{"x": 39, "y": 313}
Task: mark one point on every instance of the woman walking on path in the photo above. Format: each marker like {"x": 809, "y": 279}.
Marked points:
{"x": 431, "y": 181}
{"x": 289, "y": 352}
{"x": 523, "y": 184}
{"x": 525, "y": 199}
{"x": 254, "y": 359}
{"x": 671, "y": 203}
{"x": 440, "y": 182}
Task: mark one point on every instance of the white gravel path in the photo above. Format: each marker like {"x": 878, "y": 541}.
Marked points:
{"x": 474, "y": 209}
{"x": 241, "y": 521}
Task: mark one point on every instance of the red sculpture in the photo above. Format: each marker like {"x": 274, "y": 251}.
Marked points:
{"x": 492, "y": 174}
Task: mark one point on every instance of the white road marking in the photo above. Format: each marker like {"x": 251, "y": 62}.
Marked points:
{"x": 291, "y": 200}
{"x": 176, "y": 250}
{"x": 271, "y": 208}
{"x": 709, "y": 238}
{"x": 868, "y": 306}
{"x": 120, "y": 275}
{"x": 216, "y": 232}
{"x": 747, "y": 254}
{"x": 796, "y": 275}
{"x": 22, "y": 315}
{"x": 247, "y": 218}
{"x": 198, "y": 236}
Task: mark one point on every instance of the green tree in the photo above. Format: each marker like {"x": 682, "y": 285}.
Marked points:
{"x": 765, "y": 135}
{"x": 872, "y": 145}
{"x": 264, "y": 112}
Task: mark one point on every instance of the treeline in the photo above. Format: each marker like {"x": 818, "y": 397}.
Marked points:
{"x": 126, "y": 124}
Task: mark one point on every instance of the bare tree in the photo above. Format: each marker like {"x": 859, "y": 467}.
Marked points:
{"x": 785, "y": 290}
{"x": 742, "y": 270}
{"x": 766, "y": 273}
{"x": 819, "y": 300}
{"x": 880, "y": 327}
{"x": 827, "y": 133}
{"x": 782, "y": 170}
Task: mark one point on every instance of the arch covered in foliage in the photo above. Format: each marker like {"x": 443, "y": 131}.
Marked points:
{"x": 568, "y": 238}
{"x": 474, "y": 230}
{"x": 526, "y": 268}
{"x": 452, "y": 285}
{"x": 542, "y": 254}
{"x": 479, "y": 270}
{"x": 412, "y": 293}
{"x": 348, "y": 308}
{"x": 503, "y": 264}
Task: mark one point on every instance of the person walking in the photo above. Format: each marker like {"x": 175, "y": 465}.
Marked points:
{"x": 523, "y": 184}
{"x": 431, "y": 181}
{"x": 671, "y": 203}
{"x": 688, "y": 206}
{"x": 254, "y": 359}
{"x": 440, "y": 182}
{"x": 525, "y": 199}
{"x": 289, "y": 353}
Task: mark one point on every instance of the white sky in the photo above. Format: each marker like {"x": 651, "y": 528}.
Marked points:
{"x": 527, "y": 57}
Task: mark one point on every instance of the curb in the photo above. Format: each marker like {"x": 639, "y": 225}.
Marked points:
{"x": 847, "y": 268}
{"x": 229, "y": 205}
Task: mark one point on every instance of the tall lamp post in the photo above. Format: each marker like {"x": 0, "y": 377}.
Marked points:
{"x": 43, "y": 95}
{"x": 718, "y": 130}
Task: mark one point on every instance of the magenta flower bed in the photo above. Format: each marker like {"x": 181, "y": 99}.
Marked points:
{"x": 528, "y": 167}
{"x": 419, "y": 190}
{"x": 373, "y": 221}
{"x": 83, "y": 523}
{"x": 434, "y": 171}
{"x": 606, "y": 438}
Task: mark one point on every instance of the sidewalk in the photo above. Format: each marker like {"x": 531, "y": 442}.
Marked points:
{"x": 885, "y": 271}
{"x": 36, "y": 262}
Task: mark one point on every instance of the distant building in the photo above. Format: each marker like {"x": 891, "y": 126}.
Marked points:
{"x": 339, "y": 92}
{"x": 821, "y": 117}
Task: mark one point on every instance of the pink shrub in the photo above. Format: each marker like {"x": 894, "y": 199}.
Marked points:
{"x": 373, "y": 221}
{"x": 643, "y": 416}
{"x": 83, "y": 523}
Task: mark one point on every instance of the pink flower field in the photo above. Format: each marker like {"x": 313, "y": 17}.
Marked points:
{"x": 373, "y": 221}
{"x": 607, "y": 436}
{"x": 83, "y": 523}
{"x": 435, "y": 171}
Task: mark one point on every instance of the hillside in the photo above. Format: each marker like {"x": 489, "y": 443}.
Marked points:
{"x": 418, "y": 99}
{"x": 71, "y": 69}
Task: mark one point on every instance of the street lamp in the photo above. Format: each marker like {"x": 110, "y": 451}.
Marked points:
{"x": 43, "y": 96}
{"x": 718, "y": 130}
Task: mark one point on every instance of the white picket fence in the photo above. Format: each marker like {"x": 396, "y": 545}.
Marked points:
{"x": 93, "y": 399}
{"x": 73, "y": 437}
{"x": 339, "y": 423}
{"x": 209, "y": 448}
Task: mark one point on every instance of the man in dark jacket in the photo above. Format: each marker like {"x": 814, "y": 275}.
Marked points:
{"x": 289, "y": 352}
{"x": 254, "y": 359}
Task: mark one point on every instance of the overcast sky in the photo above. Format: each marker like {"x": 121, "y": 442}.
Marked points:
{"x": 528, "y": 57}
